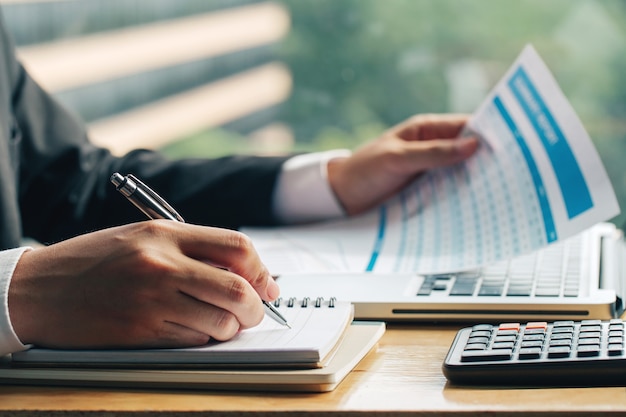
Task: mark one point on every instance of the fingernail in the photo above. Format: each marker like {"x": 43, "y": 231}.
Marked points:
{"x": 273, "y": 291}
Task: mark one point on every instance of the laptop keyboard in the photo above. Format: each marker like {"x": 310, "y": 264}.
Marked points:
{"x": 554, "y": 271}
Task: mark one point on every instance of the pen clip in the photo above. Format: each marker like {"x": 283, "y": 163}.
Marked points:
{"x": 156, "y": 197}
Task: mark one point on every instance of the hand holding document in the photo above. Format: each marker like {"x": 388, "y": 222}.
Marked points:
{"x": 536, "y": 179}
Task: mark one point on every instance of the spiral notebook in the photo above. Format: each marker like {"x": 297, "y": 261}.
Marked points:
{"x": 320, "y": 349}
{"x": 316, "y": 326}
{"x": 357, "y": 341}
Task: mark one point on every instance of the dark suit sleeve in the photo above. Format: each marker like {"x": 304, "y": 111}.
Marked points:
{"x": 63, "y": 180}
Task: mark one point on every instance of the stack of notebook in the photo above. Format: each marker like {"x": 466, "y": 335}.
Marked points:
{"x": 321, "y": 346}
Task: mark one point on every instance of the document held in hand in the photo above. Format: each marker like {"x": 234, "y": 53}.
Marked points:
{"x": 536, "y": 178}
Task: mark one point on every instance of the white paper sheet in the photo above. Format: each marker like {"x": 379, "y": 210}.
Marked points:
{"x": 536, "y": 179}
{"x": 314, "y": 331}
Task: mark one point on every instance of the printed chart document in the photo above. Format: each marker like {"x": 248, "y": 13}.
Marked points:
{"x": 536, "y": 179}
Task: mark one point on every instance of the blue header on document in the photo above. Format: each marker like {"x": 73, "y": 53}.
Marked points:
{"x": 571, "y": 180}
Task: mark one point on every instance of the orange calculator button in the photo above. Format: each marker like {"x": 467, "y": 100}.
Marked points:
{"x": 509, "y": 326}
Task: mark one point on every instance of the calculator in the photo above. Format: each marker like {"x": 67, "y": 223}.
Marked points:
{"x": 559, "y": 353}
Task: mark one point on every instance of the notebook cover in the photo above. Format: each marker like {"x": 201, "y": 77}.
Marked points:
{"x": 359, "y": 339}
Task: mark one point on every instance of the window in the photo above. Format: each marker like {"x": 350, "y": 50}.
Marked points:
{"x": 319, "y": 74}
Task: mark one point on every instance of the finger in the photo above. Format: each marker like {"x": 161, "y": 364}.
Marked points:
{"x": 210, "y": 320}
{"x": 241, "y": 258}
{"x": 440, "y": 152}
{"x": 432, "y": 126}
{"x": 174, "y": 335}
{"x": 230, "y": 250}
{"x": 219, "y": 289}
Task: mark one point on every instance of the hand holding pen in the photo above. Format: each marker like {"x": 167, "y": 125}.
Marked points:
{"x": 139, "y": 285}
{"x": 155, "y": 207}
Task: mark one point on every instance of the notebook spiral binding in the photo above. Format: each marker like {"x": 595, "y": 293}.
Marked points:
{"x": 305, "y": 302}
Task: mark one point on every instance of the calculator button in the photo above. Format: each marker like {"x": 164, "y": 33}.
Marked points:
{"x": 561, "y": 336}
{"x": 590, "y": 328}
{"x": 531, "y": 344}
{"x": 482, "y": 327}
{"x": 559, "y": 352}
{"x": 486, "y": 355}
{"x": 563, "y": 323}
{"x": 533, "y": 337}
{"x": 483, "y": 340}
{"x": 564, "y": 329}
{"x": 590, "y": 341}
{"x": 503, "y": 345}
{"x": 588, "y": 350}
{"x": 482, "y": 333}
{"x": 561, "y": 342}
{"x": 615, "y": 349}
{"x": 530, "y": 353}
{"x": 537, "y": 325}
{"x": 507, "y": 333}
{"x": 499, "y": 339}
{"x": 590, "y": 335}
{"x": 475, "y": 346}
{"x": 509, "y": 326}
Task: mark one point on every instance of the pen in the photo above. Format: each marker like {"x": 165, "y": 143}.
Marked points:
{"x": 155, "y": 207}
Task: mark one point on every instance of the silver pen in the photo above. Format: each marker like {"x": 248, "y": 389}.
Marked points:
{"x": 155, "y": 207}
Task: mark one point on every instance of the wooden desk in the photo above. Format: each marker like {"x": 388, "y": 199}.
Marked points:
{"x": 401, "y": 377}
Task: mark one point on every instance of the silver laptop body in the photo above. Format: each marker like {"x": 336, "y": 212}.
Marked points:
{"x": 576, "y": 279}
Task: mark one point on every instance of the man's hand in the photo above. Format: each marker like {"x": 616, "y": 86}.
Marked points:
{"x": 383, "y": 167}
{"x": 156, "y": 283}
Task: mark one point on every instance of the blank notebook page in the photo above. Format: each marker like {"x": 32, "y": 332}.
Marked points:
{"x": 315, "y": 330}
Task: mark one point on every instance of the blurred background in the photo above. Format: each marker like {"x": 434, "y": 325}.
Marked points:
{"x": 213, "y": 77}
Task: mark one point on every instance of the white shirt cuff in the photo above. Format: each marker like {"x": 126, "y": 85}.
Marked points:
{"x": 303, "y": 193}
{"x": 9, "y": 342}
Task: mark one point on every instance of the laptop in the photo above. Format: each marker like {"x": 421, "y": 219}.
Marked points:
{"x": 574, "y": 279}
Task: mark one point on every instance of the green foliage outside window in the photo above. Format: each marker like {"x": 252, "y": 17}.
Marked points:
{"x": 360, "y": 66}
